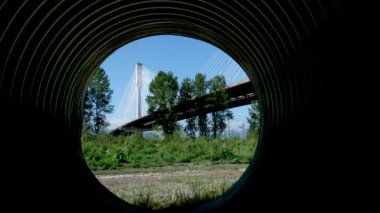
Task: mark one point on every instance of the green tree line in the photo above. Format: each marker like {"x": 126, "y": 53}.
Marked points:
{"x": 166, "y": 92}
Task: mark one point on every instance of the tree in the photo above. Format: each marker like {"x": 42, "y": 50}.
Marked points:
{"x": 186, "y": 93}
{"x": 97, "y": 103}
{"x": 163, "y": 96}
{"x": 200, "y": 89}
{"x": 254, "y": 117}
{"x": 219, "y": 98}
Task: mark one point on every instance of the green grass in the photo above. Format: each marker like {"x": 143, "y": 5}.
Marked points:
{"x": 195, "y": 193}
{"x": 175, "y": 173}
{"x": 112, "y": 153}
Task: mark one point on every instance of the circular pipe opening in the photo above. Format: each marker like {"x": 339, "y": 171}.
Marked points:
{"x": 121, "y": 162}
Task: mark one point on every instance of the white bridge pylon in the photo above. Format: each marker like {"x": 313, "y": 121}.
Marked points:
{"x": 132, "y": 104}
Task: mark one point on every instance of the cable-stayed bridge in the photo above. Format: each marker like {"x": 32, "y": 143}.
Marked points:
{"x": 131, "y": 112}
{"x": 238, "y": 95}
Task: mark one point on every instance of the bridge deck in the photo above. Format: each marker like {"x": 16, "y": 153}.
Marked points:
{"x": 239, "y": 95}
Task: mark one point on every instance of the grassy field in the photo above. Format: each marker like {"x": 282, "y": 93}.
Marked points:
{"x": 172, "y": 186}
{"x": 175, "y": 171}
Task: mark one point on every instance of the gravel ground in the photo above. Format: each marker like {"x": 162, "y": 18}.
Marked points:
{"x": 163, "y": 184}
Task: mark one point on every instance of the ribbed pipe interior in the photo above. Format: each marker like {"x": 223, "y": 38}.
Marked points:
{"x": 49, "y": 50}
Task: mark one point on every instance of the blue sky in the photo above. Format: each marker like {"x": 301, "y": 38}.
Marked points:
{"x": 183, "y": 56}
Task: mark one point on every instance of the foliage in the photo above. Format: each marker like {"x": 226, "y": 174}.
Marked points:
{"x": 200, "y": 89}
{"x": 163, "y": 96}
{"x": 254, "y": 117}
{"x": 106, "y": 152}
{"x": 97, "y": 103}
{"x": 186, "y": 93}
{"x": 217, "y": 86}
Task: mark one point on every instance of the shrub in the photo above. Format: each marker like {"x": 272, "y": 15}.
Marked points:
{"x": 108, "y": 152}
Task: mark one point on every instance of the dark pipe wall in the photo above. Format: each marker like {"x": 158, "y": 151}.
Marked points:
{"x": 298, "y": 54}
